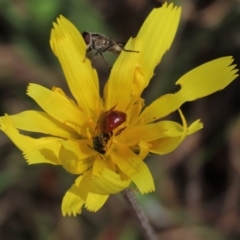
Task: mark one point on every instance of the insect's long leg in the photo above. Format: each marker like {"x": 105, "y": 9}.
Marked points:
{"x": 88, "y": 50}
{"x": 100, "y": 53}
{"x": 95, "y": 55}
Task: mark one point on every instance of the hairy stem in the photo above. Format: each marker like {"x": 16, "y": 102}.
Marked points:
{"x": 143, "y": 221}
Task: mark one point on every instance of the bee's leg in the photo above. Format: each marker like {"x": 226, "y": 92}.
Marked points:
{"x": 119, "y": 131}
{"x": 95, "y": 150}
{"x": 90, "y": 147}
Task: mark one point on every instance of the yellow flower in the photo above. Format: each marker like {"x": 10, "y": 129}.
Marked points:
{"x": 74, "y": 128}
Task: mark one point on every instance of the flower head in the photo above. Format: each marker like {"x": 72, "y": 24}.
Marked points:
{"x": 105, "y": 140}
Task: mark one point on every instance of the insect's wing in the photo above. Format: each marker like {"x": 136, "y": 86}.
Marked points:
{"x": 101, "y": 124}
{"x": 103, "y": 43}
{"x": 121, "y": 44}
{"x": 116, "y": 47}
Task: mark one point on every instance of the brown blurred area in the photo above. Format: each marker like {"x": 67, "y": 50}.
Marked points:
{"x": 197, "y": 186}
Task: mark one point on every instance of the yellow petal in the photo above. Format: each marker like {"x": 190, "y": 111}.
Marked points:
{"x": 119, "y": 86}
{"x": 164, "y": 145}
{"x": 144, "y": 149}
{"x": 209, "y": 78}
{"x": 139, "y": 82}
{"x": 75, "y": 156}
{"x": 157, "y": 34}
{"x": 168, "y": 144}
{"x": 21, "y": 141}
{"x": 98, "y": 166}
{"x": 95, "y": 201}
{"x": 83, "y": 186}
{"x": 129, "y": 163}
{"x": 36, "y": 121}
{"x": 70, "y": 48}
{"x": 107, "y": 182}
{"x": 134, "y": 111}
{"x": 45, "y": 151}
{"x": 56, "y": 105}
{"x": 150, "y": 132}
{"x": 199, "y": 82}
{"x": 42, "y": 150}
{"x": 194, "y": 127}
{"x": 65, "y": 27}
{"x": 132, "y": 71}
{"x": 72, "y": 203}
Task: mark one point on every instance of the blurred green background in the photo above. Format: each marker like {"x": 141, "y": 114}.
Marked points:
{"x": 197, "y": 186}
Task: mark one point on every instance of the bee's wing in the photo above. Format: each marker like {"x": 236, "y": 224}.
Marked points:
{"x": 101, "y": 123}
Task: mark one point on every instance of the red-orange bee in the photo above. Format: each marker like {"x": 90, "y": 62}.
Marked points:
{"x": 107, "y": 122}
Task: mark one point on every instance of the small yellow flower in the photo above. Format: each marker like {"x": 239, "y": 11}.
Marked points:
{"x": 70, "y": 125}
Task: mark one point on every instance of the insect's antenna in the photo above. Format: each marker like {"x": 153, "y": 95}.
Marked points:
{"x": 122, "y": 44}
{"x": 127, "y": 50}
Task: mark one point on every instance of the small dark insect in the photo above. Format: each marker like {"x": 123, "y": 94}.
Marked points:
{"x": 107, "y": 122}
{"x": 100, "y": 43}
